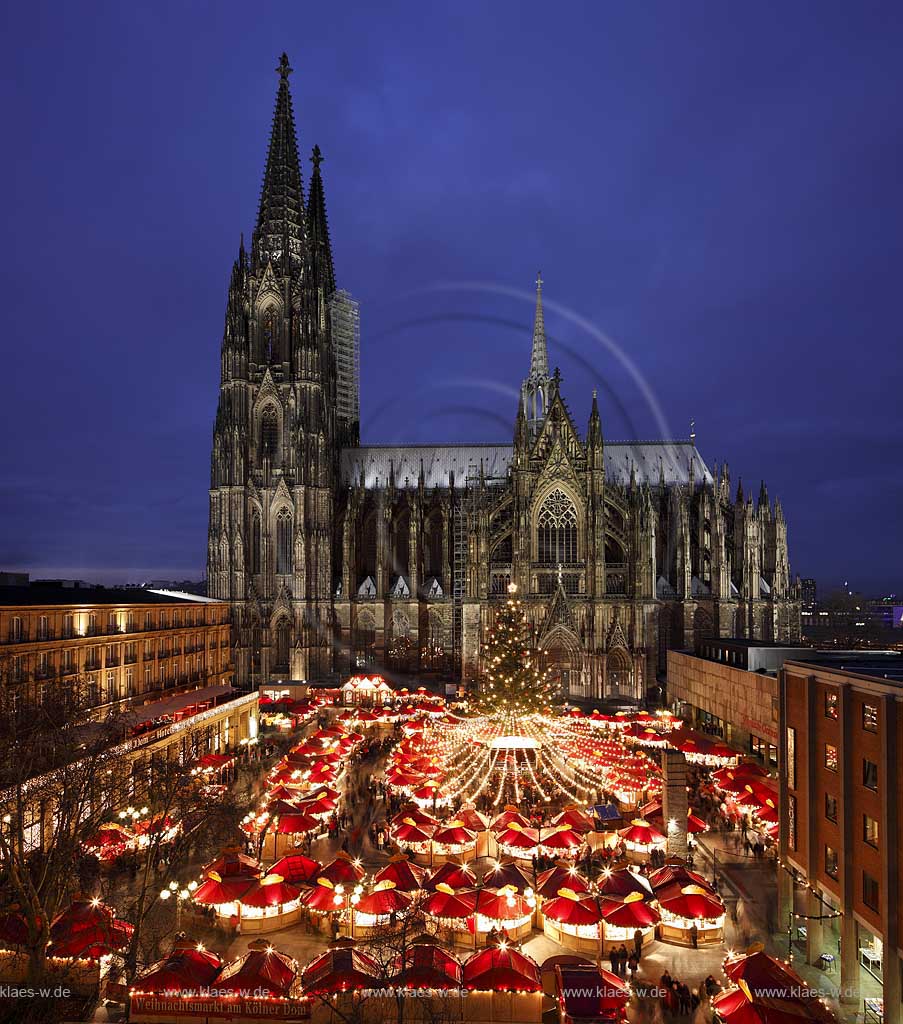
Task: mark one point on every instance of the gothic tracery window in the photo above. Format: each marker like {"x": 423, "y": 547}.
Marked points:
{"x": 269, "y": 433}
{"x": 556, "y": 529}
{"x": 283, "y": 543}
{"x": 254, "y": 544}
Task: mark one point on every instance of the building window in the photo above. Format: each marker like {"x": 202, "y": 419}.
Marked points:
{"x": 111, "y": 686}
{"x": 830, "y": 862}
{"x": 113, "y": 623}
{"x": 556, "y": 532}
{"x": 791, "y": 757}
{"x": 254, "y": 543}
{"x": 870, "y": 775}
{"x": 869, "y": 891}
{"x": 148, "y": 620}
{"x": 870, "y": 717}
{"x": 831, "y": 807}
{"x": 68, "y": 627}
{"x": 43, "y": 628}
{"x": 830, "y": 757}
{"x": 283, "y": 543}
{"x": 870, "y": 831}
{"x": 269, "y": 434}
{"x": 831, "y": 704}
{"x": 148, "y": 681}
{"x": 15, "y": 628}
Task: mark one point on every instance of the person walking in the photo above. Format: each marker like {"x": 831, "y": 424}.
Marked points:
{"x": 638, "y": 944}
{"x": 694, "y": 935}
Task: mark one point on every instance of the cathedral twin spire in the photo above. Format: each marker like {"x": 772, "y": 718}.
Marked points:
{"x": 288, "y": 231}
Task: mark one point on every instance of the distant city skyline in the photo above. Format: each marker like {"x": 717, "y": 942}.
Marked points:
{"x": 718, "y": 198}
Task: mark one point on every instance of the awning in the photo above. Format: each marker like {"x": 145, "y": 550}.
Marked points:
{"x": 170, "y": 705}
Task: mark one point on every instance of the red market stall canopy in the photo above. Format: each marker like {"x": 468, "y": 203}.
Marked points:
{"x": 410, "y": 832}
{"x": 457, "y": 876}
{"x": 507, "y": 874}
{"x": 262, "y": 970}
{"x": 216, "y": 890}
{"x": 676, "y": 873}
{"x": 691, "y": 902}
{"x": 628, "y": 912}
{"x": 383, "y": 899}
{"x": 231, "y": 863}
{"x": 501, "y": 969}
{"x": 215, "y": 762}
{"x": 407, "y": 877}
{"x": 507, "y": 817}
{"x": 272, "y": 891}
{"x": 453, "y": 833}
{"x": 518, "y": 837}
{"x": 504, "y": 905}
{"x": 622, "y": 882}
{"x": 558, "y": 877}
{"x": 110, "y": 839}
{"x": 641, "y": 833}
{"x": 186, "y": 969}
{"x": 296, "y": 824}
{"x": 88, "y": 930}
{"x": 446, "y": 903}
{"x": 340, "y": 969}
{"x": 574, "y": 819}
{"x": 343, "y": 870}
{"x": 589, "y": 993}
{"x": 323, "y": 898}
{"x": 562, "y": 839}
{"x": 426, "y": 965}
{"x": 569, "y": 907}
{"x": 769, "y": 987}
{"x": 296, "y": 868}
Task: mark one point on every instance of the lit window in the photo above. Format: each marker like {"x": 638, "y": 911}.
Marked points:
{"x": 831, "y": 704}
{"x": 830, "y": 862}
{"x": 870, "y": 717}
{"x": 830, "y": 757}
{"x": 831, "y": 807}
{"x": 870, "y": 831}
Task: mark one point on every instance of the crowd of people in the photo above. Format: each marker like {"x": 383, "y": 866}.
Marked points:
{"x": 679, "y": 999}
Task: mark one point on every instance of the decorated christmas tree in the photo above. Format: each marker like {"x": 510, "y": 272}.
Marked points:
{"x": 514, "y": 682}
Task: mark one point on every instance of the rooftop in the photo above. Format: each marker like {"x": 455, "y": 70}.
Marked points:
{"x": 58, "y": 594}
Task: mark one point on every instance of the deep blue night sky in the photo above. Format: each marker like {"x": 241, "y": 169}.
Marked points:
{"x": 716, "y": 187}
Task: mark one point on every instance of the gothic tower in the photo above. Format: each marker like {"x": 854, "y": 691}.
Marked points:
{"x": 275, "y": 436}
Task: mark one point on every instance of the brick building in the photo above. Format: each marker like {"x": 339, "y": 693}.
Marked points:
{"x": 841, "y": 731}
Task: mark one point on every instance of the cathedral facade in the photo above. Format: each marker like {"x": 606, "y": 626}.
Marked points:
{"x": 337, "y": 556}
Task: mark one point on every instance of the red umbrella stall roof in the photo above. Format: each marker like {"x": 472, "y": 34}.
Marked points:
{"x": 216, "y": 890}
{"x": 504, "y": 905}
{"x": 383, "y": 899}
{"x": 272, "y": 891}
{"x": 296, "y": 824}
{"x": 410, "y": 832}
{"x": 639, "y": 831}
{"x": 417, "y": 815}
{"x": 426, "y": 965}
{"x": 454, "y": 834}
{"x": 343, "y": 869}
{"x": 629, "y": 912}
{"x": 232, "y": 863}
{"x": 569, "y": 907}
{"x": 590, "y": 993}
{"x": 322, "y": 897}
{"x": 88, "y": 929}
{"x": 407, "y": 877}
{"x": 622, "y": 882}
{"x": 473, "y": 819}
{"x": 263, "y": 971}
{"x": 296, "y": 868}
{"x": 444, "y": 902}
{"x": 575, "y": 819}
{"x": 692, "y": 902}
{"x": 457, "y": 876}
{"x": 550, "y": 881}
{"x": 340, "y": 969}
{"x": 501, "y": 969}
{"x": 676, "y": 873}
{"x": 505, "y": 819}
{"x": 518, "y": 838}
{"x": 563, "y": 838}
{"x": 507, "y": 874}
{"x": 187, "y": 968}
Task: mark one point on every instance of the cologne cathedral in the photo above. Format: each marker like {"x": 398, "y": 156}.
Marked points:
{"x": 337, "y": 556}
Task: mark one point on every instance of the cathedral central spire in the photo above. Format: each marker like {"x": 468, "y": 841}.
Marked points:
{"x": 280, "y": 231}
{"x": 539, "y": 357}
{"x": 535, "y": 389}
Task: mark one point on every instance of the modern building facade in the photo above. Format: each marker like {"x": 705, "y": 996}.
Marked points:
{"x": 336, "y": 555}
{"x": 842, "y": 751}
